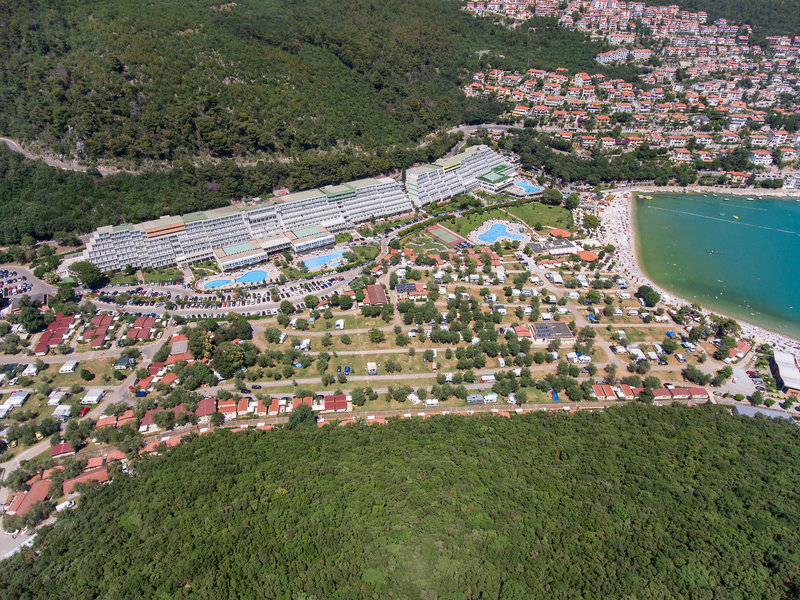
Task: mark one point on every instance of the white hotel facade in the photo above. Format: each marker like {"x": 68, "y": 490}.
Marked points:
{"x": 450, "y": 176}
{"x": 236, "y": 236}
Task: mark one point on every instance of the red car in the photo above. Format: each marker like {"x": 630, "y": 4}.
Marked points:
{"x": 752, "y": 373}
{"x": 83, "y": 412}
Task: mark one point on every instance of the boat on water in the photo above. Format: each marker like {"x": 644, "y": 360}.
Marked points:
{"x": 735, "y": 217}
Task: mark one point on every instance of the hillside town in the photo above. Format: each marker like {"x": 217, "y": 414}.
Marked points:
{"x": 705, "y": 89}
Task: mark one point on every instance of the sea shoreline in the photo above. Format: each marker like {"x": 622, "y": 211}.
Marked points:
{"x": 617, "y": 228}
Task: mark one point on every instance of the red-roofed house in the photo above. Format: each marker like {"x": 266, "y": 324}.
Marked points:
{"x": 94, "y": 462}
{"x": 109, "y": 421}
{"x": 99, "y": 475}
{"x": 147, "y": 424}
{"x": 62, "y": 449}
{"x": 126, "y": 418}
{"x": 205, "y": 408}
{"x": 22, "y": 503}
{"x": 375, "y": 294}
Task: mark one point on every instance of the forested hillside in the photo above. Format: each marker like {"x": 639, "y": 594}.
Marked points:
{"x": 170, "y": 78}
{"x": 636, "y": 502}
{"x": 768, "y": 17}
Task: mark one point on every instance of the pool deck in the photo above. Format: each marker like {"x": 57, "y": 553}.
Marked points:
{"x": 511, "y": 227}
{"x": 271, "y": 270}
{"x": 338, "y": 259}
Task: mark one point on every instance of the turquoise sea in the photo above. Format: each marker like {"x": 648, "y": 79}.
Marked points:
{"x": 737, "y": 256}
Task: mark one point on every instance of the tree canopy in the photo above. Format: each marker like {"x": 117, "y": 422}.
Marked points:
{"x": 637, "y": 501}
{"x": 174, "y": 78}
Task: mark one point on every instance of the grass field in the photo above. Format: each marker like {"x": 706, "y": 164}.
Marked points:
{"x": 155, "y": 276}
{"x": 534, "y": 212}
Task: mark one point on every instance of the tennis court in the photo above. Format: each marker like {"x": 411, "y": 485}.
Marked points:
{"x": 445, "y": 235}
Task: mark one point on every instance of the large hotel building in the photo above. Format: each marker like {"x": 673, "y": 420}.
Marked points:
{"x": 236, "y": 236}
{"x": 450, "y": 176}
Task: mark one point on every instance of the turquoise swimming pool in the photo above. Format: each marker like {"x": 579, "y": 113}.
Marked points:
{"x": 254, "y": 276}
{"x": 497, "y": 231}
{"x": 210, "y": 285}
{"x": 528, "y": 187}
{"x": 330, "y": 260}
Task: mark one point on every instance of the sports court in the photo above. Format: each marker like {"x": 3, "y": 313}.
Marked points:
{"x": 448, "y": 237}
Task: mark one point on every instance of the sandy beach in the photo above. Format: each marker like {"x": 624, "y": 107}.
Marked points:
{"x": 616, "y": 227}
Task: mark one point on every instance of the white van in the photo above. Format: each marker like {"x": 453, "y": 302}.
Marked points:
{"x": 339, "y": 324}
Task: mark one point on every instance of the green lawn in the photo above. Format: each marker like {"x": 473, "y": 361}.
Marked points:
{"x": 534, "y": 212}
{"x": 122, "y": 279}
{"x": 155, "y": 276}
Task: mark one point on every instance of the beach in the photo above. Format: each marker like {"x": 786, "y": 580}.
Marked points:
{"x": 617, "y": 228}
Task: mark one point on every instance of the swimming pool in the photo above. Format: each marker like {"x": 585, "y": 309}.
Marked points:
{"x": 497, "y": 231}
{"x": 253, "y": 276}
{"x": 332, "y": 259}
{"x": 210, "y": 285}
{"x": 528, "y": 187}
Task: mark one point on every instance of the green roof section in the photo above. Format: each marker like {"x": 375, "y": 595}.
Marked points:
{"x": 311, "y": 230}
{"x": 334, "y": 191}
{"x": 195, "y": 216}
{"x": 122, "y": 227}
{"x": 495, "y": 175}
{"x": 237, "y": 248}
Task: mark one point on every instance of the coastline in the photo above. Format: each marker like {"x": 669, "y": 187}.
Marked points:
{"x": 617, "y": 227}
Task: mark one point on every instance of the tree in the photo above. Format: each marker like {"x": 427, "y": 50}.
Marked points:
{"x": 311, "y": 301}
{"x": 286, "y": 307}
{"x": 228, "y": 358}
{"x": 649, "y": 295}
{"x": 217, "y": 419}
{"x": 345, "y": 302}
{"x": 572, "y": 201}
{"x": 591, "y": 222}
{"x": 346, "y": 340}
{"x": 327, "y": 340}
{"x": 358, "y": 396}
{"x": 87, "y": 273}
{"x": 552, "y": 197}
{"x": 164, "y": 418}
{"x": 302, "y": 416}
{"x": 376, "y": 336}
{"x": 86, "y": 374}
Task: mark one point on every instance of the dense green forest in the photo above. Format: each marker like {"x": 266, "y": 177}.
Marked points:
{"x": 46, "y": 202}
{"x": 767, "y": 17}
{"x": 635, "y": 502}
{"x": 171, "y": 78}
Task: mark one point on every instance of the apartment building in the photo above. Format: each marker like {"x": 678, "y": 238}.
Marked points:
{"x": 450, "y": 176}
{"x": 237, "y": 235}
